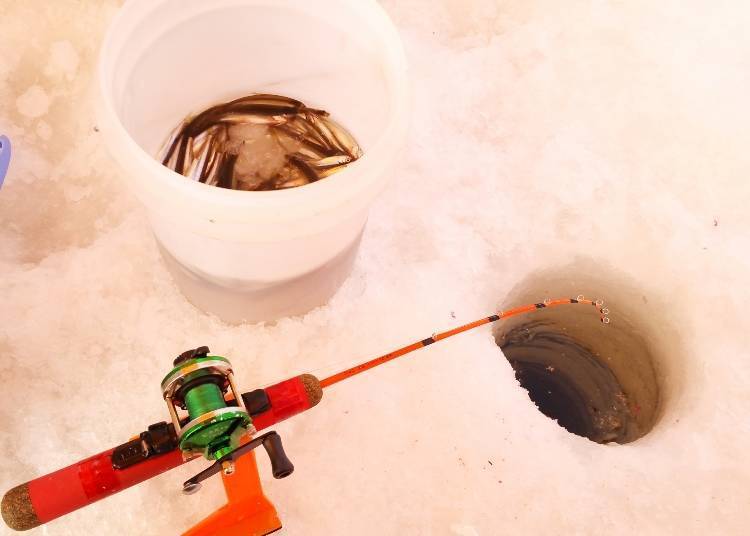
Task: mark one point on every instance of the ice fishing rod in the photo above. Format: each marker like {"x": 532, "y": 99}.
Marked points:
{"x": 211, "y": 418}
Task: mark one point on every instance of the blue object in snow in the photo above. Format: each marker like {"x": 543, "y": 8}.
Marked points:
{"x": 4, "y": 157}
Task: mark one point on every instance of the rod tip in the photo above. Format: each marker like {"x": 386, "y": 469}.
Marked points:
{"x": 17, "y": 510}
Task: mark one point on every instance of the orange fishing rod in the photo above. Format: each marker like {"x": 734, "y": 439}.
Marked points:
{"x": 367, "y": 365}
{"x": 161, "y": 447}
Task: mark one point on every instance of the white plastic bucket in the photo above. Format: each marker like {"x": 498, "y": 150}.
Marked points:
{"x": 254, "y": 255}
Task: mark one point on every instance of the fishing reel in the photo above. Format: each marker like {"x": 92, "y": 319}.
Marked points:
{"x": 217, "y": 418}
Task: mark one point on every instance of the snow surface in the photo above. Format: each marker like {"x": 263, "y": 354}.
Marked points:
{"x": 543, "y": 132}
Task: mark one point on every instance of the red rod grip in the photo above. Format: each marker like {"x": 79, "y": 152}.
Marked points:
{"x": 56, "y": 494}
{"x": 94, "y": 478}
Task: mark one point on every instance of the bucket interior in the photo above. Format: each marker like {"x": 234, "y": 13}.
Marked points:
{"x": 331, "y": 59}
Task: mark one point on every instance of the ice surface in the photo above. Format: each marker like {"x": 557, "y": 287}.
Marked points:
{"x": 543, "y": 132}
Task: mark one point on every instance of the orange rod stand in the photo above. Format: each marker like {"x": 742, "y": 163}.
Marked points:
{"x": 248, "y": 512}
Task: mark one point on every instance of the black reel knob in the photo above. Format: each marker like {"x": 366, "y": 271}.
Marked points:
{"x": 281, "y": 465}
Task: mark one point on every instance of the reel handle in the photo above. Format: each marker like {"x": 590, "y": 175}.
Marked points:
{"x": 281, "y": 465}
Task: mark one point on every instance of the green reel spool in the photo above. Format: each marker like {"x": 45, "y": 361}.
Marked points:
{"x": 199, "y": 384}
